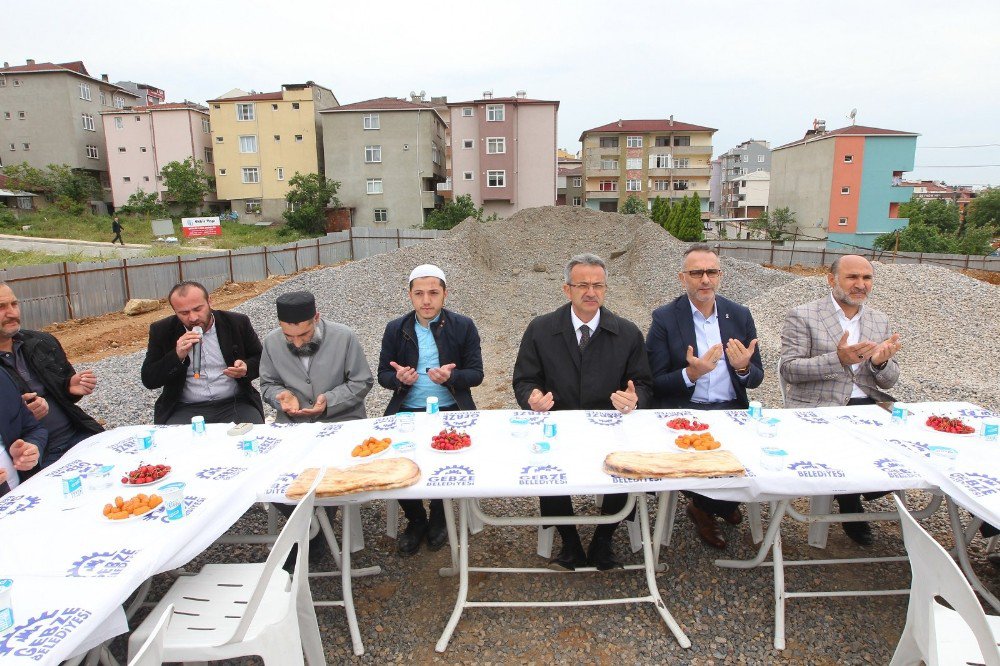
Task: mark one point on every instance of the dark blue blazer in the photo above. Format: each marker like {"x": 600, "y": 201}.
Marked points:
{"x": 672, "y": 332}
{"x": 16, "y": 421}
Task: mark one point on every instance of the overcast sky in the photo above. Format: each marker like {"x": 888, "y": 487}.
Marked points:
{"x": 758, "y": 70}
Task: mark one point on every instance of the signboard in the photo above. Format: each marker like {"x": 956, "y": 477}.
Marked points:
{"x": 163, "y": 228}
{"x": 201, "y": 226}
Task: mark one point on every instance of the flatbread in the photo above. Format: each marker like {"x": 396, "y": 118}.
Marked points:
{"x": 654, "y": 465}
{"x": 384, "y": 474}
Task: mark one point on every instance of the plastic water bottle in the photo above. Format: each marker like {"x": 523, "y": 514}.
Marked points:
{"x": 198, "y": 428}
{"x": 991, "y": 429}
{"x": 755, "y": 410}
{"x": 433, "y": 413}
{"x": 900, "y": 410}
{"x": 6, "y": 607}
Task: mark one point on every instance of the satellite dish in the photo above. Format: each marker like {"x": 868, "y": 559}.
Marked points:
{"x": 853, "y": 115}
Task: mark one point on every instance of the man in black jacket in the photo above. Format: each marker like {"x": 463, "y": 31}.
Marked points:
{"x": 23, "y": 437}
{"x": 219, "y": 387}
{"x": 428, "y": 352}
{"x": 48, "y": 384}
{"x": 582, "y": 356}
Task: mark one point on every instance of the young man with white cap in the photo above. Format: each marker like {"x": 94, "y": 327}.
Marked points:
{"x": 429, "y": 351}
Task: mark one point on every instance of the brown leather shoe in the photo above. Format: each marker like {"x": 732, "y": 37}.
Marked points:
{"x": 706, "y": 526}
{"x": 735, "y": 518}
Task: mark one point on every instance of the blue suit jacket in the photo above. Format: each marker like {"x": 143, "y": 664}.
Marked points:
{"x": 672, "y": 332}
{"x": 16, "y": 421}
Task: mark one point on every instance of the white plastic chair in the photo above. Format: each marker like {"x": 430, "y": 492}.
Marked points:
{"x": 233, "y": 610}
{"x": 933, "y": 633}
{"x": 151, "y": 652}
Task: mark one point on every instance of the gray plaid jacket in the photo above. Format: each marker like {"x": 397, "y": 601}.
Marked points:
{"x": 810, "y": 370}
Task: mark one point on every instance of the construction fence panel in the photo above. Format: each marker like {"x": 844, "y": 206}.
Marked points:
{"x": 96, "y": 288}
{"x": 788, "y": 255}
{"x": 41, "y": 289}
{"x": 335, "y": 248}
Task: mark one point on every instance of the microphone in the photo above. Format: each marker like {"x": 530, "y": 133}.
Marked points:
{"x": 196, "y": 353}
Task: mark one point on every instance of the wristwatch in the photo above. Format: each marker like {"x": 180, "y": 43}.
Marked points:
{"x": 743, "y": 372}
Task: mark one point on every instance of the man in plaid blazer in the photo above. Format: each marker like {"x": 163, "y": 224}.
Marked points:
{"x": 838, "y": 351}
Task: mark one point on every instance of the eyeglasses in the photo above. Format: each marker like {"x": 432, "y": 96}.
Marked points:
{"x": 698, "y": 273}
{"x": 587, "y": 286}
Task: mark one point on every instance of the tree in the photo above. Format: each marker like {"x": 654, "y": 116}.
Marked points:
{"x": 186, "y": 183}
{"x": 657, "y": 212}
{"x": 937, "y": 213}
{"x": 774, "y": 224}
{"x": 928, "y": 238}
{"x": 689, "y": 222}
{"x": 633, "y": 205}
{"x": 25, "y": 177}
{"x": 140, "y": 203}
{"x": 452, "y": 213}
{"x": 309, "y": 195}
{"x": 672, "y": 223}
{"x": 984, "y": 211}
{"x": 72, "y": 189}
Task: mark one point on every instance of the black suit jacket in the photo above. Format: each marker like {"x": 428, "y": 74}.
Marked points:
{"x": 16, "y": 420}
{"x": 670, "y": 334}
{"x": 162, "y": 368}
{"x": 549, "y": 359}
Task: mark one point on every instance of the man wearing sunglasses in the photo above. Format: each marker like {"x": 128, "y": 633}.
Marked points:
{"x": 703, "y": 354}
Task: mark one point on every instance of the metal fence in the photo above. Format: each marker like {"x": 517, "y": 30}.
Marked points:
{"x": 56, "y": 292}
{"x": 789, "y": 255}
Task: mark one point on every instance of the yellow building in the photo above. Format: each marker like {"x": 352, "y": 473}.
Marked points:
{"x": 259, "y": 141}
{"x": 647, "y": 159}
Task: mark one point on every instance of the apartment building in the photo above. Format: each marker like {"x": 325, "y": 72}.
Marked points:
{"x": 50, "y": 113}
{"x": 751, "y": 156}
{"x": 141, "y": 140}
{"x": 569, "y": 180}
{"x": 844, "y": 185}
{"x": 503, "y": 152}
{"x": 261, "y": 140}
{"x": 648, "y": 159}
{"x": 151, "y": 94}
{"x": 389, "y": 156}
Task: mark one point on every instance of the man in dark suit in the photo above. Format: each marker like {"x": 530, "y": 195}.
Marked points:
{"x": 703, "y": 355}
{"x": 23, "y": 438}
{"x": 220, "y": 389}
{"x": 582, "y": 356}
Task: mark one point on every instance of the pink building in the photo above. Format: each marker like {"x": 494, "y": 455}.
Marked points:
{"x": 142, "y": 140}
{"x": 503, "y": 152}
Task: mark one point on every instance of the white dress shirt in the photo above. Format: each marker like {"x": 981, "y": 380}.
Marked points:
{"x": 716, "y": 385}
{"x": 577, "y": 323}
{"x": 852, "y": 327}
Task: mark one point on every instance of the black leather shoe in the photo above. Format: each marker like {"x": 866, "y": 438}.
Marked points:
{"x": 994, "y": 559}
{"x": 601, "y": 555}
{"x": 317, "y": 550}
{"x": 437, "y": 534}
{"x": 859, "y": 532}
{"x": 409, "y": 541}
{"x": 569, "y": 559}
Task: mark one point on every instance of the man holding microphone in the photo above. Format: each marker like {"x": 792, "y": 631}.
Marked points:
{"x": 204, "y": 360}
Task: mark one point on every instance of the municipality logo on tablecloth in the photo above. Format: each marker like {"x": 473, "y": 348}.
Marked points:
{"x": 40, "y": 635}
{"x": 459, "y": 419}
{"x": 123, "y": 446}
{"x": 452, "y": 475}
{"x": 623, "y": 479}
{"x": 808, "y": 469}
{"x": 72, "y": 466}
{"x": 894, "y": 469}
{"x": 810, "y": 417}
{"x": 976, "y": 413}
{"x": 160, "y": 513}
{"x": 330, "y": 430}
{"x": 384, "y": 423}
{"x": 12, "y": 504}
{"x": 674, "y": 413}
{"x": 977, "y": 483}
{"x": 533, "y": 417}
{"x": 280, "y": 485}
{"x": 738, "y": 416}
{"x": 911, "y": 445}
{"x": 854, "y": 419}
{"x": 220, "y": 473}
{"x": 102, "y": 565}
{"x": 541, "y": 475}
{"x": 610, "y": 417}
{"x": 267, "y": 444}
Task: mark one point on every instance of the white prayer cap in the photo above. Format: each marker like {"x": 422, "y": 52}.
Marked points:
{"x": 427, "y": 270}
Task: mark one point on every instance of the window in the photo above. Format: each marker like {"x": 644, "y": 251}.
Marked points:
{"x": 435, "y": 154}
{"x": 21, "y": 115}
{"x": 467, "y": 143}
{"x": 222, "y": 172}
{"x": 13, "y": 147}
{"x": 91, "y": 152}
{"x": 6, "y": 115}
{"x": 277, "y": 137}
{"x": 496, "y": 178}
{"x": 494, "y": 112}
{"x": 205, "y": 126}
{"x": 248, "y": 144}
{"x": 373, "y": 154}
{"x": 88, "y": 121}
{"x": 145, "y": 179}
{"x": 633, "y": 185}
{"x": 295, "y": 105}
{"x": 209, "y": 157}
{"x": 298, "y": 138}
{"x": 660, "y": 162}
{"x": 760, "y": 158}
{"x": 381, "y": 214}
{"x": 633, "y": 142}
{"x": 845, "y": 190}
{"x": 17, "y": 83}
{"x": 662, "y": 141}
{"x": 743, "y": 183}
{"x": 3, "y": 81}
{"x": 682, "y": 163}
{"x": 244, "y": 112}
{"x": 682, "y": 140}
{"x": 127, "y": 179}
{"x": 842, "y": 222}
{"x": 609, "y": 142}
{"x": 252, "y": 206}
{"x": 680, "y": 184}
{"x": 374, "y": 185}
{"x": 84, "y": 91}
{"x": 466, "y": 111}
{"x": 610, "y": 165}
{"x": 119, "y": 102}
{"x": 281, "y": 173}
{"x": 104, "y": 98}
{"x": 578, "y": 181}
{"x": 577, "y": 201}
{"x": 119, "y": 122}
{"x": 274, "y": 107}
{"x": 609, "y": 186}
{"x": 216, "y": 106}
{"x": 847, "y": 160}
{"x": 467, "y": 175}
{"x": 218, "y": 139}
{"x": 633, "y": 163}
{"x": 745, "y": 158}
{"x": 251, "y": 175}
{"x": 370, "y": 121}
{"x": 660, "y": 185}
{"x": 496, "y": 145}
{"x": 121, "y": 149}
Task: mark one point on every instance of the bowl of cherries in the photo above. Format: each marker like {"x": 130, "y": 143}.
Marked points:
{"x": 450, "y": 440}
{"x": 144, "y": 475}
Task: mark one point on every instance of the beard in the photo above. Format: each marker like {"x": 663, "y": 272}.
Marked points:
{"x": 844, "y": 297}
{"x": 307, "y": 348}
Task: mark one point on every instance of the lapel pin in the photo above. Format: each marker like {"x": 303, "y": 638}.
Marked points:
{"x": 727, "y": 315}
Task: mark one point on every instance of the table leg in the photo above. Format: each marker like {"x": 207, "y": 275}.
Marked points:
{"x": 449, "y": 520}
{"x": 773, "y": 525}
{"x": 650, "y": 566}
{"x": 463, "y": 575}
{"x": 663, "y": 505}
{"x": 779, "y": 594}
{"x": 347, "y": 588}
{"x": 963, "y": 556}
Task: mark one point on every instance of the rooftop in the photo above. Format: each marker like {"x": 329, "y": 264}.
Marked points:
{"x": 75, "y": 67}
{"x": 646, "y": 126}
{"x": 851, "y": 130}
{"x": 256, "y": 97}
{"x": 504, "y": 100}
{"x": 381, "y": 104}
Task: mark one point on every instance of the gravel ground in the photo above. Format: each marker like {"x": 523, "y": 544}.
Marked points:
{"x": 506, "y": 272}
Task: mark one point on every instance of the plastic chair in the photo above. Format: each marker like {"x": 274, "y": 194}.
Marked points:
{"x": 151, "y": 652}
{"x": 234, "y": 610}
{"x": 933, "y": 633}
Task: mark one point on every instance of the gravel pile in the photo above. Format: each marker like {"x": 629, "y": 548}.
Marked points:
{"x": 504, "y": 273}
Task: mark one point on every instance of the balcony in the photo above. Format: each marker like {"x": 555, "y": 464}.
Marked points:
{"x": 445, "y": 186}
{"x": 690, "y": 172}
{"x": 690, "y": 150}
